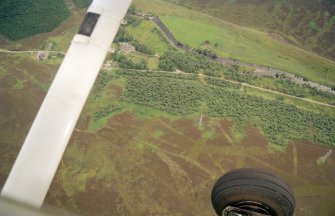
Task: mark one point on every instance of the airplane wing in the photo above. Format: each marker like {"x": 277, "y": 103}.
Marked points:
{"x": 39, "y": 157}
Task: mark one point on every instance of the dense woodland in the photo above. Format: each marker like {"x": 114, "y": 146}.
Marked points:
{"x": 20, "y": 19}
{"x": 280, "y": 122}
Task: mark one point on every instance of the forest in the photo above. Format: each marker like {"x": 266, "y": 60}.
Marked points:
{"x": 20, "y": 19}
{"x": 280, "y": 122}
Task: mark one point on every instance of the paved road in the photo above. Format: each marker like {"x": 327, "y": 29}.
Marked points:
{"x": 261, "y": 70}
{"x": 240, "y": 83}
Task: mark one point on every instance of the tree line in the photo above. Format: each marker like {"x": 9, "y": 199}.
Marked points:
{"x": 279, "y": 121}
{"x": 127, "y": 63}
{"x": 195, "y": 63}
{"x": 124, "y": 36}
{"x": 20, "y": 19}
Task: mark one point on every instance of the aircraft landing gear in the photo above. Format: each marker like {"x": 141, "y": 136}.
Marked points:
{"x": 252, "y": 192}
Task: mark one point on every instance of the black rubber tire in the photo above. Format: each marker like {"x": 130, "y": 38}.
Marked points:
{"x": 249, "y": 184}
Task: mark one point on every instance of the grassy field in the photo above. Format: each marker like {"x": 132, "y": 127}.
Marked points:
{"x": 309, "y": 25}
{"x": 144, "y": 32}
{"x": 241, "y": 43}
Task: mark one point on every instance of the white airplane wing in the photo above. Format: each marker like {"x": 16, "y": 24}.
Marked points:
{"x": 37, "y": 162}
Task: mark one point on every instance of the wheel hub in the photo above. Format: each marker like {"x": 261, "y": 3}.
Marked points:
{"x": 246, "y": 208}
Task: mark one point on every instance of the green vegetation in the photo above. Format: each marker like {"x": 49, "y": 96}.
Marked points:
{"x": 174, "y": 96}
{"x": 106, "y": 111}
{"x": 195, "y": 63}
{"x": 281, "y": 84}
{"x": 124, "y": 62}
{"x": 309, "y": 24}
{"x": 135, "y": 73}
{"x": 320, "y": 162}
{"x": 206, "y": 53}
{"x": 146, "y": 32}
{"x": 251, "y": 46}
{"x": 246, "y": 44}
{"x": 189, "y": 63}
{"x": 123, "y": 36}
{"x": 83, "y": 3}
{"x": 279, "y": 121}
{"x": 152, "y": 61}
{"x": 103, "y": 79}
{"x": 142, "y": 48}
{"x": 20, "y": 19}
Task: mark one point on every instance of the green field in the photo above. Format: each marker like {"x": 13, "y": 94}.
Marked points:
{"x": 145, "y": 32}
{"x": 246, "y": 44}
{"x": 309, "y": 24}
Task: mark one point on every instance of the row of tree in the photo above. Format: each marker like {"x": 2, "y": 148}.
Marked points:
{"x": 124, "y": 62}
{"x": 279, "y": 121}
{"x": 287, "y": 86}
{"x": 194, "y": 63}
{"x": 187, "y": 62}
{"x": 157, "y": 74}
{"x": 207, "y": 53}
{"x": 106, "y": 111}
